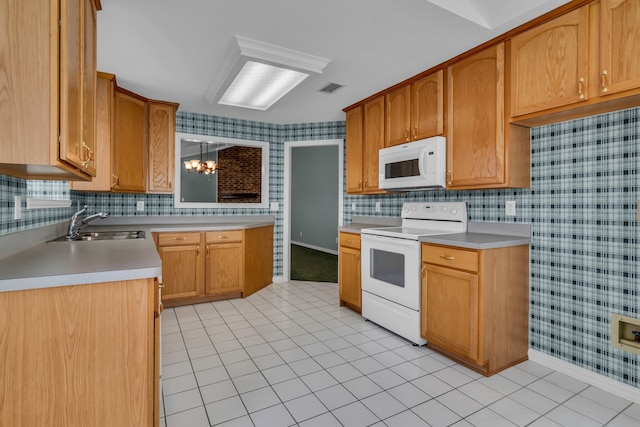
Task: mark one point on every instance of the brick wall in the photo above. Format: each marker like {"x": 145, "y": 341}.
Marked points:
{"x": 240, "y": 175}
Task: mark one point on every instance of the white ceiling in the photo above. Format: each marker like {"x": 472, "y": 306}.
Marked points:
{"x": 174, "y": 50}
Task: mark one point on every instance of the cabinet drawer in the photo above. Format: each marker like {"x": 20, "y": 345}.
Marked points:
{"x": 450, "y": 257}
{"x": 350, "y": 240}
{"x": 224, "y": 236}
{"x": 172, "y": 239}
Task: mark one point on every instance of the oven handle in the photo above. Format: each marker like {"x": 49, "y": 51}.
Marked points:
{"x": 384, "y": 239}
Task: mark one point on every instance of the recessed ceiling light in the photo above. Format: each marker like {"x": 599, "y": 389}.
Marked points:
{"x": 259, "y": 86}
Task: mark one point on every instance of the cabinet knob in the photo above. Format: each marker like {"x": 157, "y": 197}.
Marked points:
{"x": 604, "y": 81}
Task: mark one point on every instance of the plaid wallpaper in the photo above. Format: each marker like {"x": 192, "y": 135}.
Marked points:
{"x": 582, "y": 206}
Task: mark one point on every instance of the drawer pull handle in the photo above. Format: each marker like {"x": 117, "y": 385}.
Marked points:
{"x": 422, "y": 270}
{"x": 448, "y": 257}
{"x": 160, "y": 308}
{"x": 604, "y": 81}
{"x": 580, "y": 88}
{"x": 348, "y": 240}
{"x": 223, "y": 237}
{"x": 179, "y": 238}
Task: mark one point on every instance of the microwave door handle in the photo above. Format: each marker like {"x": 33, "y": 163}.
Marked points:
{"x": 422, "y": 162}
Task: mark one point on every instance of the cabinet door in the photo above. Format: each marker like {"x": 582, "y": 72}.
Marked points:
{"x": 619, "y": 45}
{"x": 354, "y": 141}
{"x": 223, "y": 268}
{"x": 373, "y": 141}
{"x": 427, "y": 106}
{"x": 475, "y": 142}
{"x": 349, "y": 277}
{"x": 397, "y": 116}
{"x": 104, "y": 130}
{"x": 450, "y": 310}
{"x": 71, "y": 82}
{"x": 129, "y": 151}
{"x": 181, "y": 271}
{"x": 162, "y": 125}
{"x": 89, "y": 86}
{"x": 549, "y": 64}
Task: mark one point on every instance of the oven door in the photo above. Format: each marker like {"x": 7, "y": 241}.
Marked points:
{"x": 391, "y": 269}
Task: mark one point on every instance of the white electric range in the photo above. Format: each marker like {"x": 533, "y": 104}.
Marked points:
{"x": 391, "y": 259}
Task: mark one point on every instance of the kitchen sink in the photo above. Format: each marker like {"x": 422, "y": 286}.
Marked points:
{"x": 104, "y": 235}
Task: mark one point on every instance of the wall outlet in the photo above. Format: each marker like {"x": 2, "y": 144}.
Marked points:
{"x": 353, "y": 207}
{"x": 140, "y": 205}
{"x": 301, "y": 234}
{"x": 274, "y": 206}
{"x": 510, "y": 208}
{"x": 17, "y": 207}
{"x": 378, "y": 209}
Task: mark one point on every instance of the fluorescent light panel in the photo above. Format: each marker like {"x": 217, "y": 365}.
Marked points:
{"x": 259, "y": 86}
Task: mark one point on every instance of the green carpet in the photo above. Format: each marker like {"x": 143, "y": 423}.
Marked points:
{"x": 313, "y": 266}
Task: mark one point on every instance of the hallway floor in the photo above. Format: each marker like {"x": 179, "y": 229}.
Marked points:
{"x": 289, "y": 355}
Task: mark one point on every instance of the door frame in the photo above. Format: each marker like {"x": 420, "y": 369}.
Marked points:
{"x": 286, "y": 226}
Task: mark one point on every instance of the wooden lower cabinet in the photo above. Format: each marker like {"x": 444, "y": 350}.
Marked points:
{"x": 211, "y": 265}
{"x": 475, "y": 305}
{"x": 349, "y": 271}
{"x": 83, "y": 355}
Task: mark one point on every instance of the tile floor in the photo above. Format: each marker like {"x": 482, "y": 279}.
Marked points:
{"x": 290, "y": 356}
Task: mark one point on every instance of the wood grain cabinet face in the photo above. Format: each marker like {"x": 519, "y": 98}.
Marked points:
{"x": 415, "y": 111}
{"x": 182, "y": 264}
{"x": 47, "y": 115}
{"x": 619, "y": 46}
{"x": 349, "y": 280}
{"x": 549, "y": 64}
{"x": 130, "y": 144}
{"x": 474, "y": 304}
{"x": 364, "y": 137}
{"x": 483, "y": 150}
{"x": 95, "y": 344}
{"x": 162, "y": 125}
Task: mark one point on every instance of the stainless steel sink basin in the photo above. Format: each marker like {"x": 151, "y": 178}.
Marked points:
{"x": 104, "y": 235}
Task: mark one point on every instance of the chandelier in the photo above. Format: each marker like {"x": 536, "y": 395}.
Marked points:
{"x": 204, "y": 166}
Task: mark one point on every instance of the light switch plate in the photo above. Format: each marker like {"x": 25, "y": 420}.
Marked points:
{"x": 274, "y": 206}
{"x": 140, "y": 205}
{"x": 378, "y": 207}
{"x": 510, "y": 208}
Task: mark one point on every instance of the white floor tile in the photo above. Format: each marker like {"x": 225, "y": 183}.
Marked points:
{"x": 591, "y": 409}
{"x": 335, "y": 397}
{"x": 409, "y": 395}
{"x": 291, "y": 389}
{"x": 225, "y": 410}
{"x": 182, "y": 401}
{"x": 318, "y": 380}
{"x": 305, "y": 407}
{"x": 305, "y": 366}
{"x": 344, "y": 372}
{"x": 487, "y": 418}
{"x": 324, "y": 420}
{"x": 278, "y": 374}
{"x": 241, "y": 368}
{"x": 259, "y": 399}
{"x": 386, "y": 378}
{"x": 178, "y": 384}
{"x": 429, "y": 364}
{"x": 431, "y": 385}
{"x": 633, "y": 411}
{"x": 218, "y": 391}
{"x": 607, "y": 399}
{"x": 452, "y": 377}
{"x": 234, "y": 356}
{"x": 514, "y": 411}
{"x": 329, "y": 359}
{"x": 568, "y": 417}
{"x": 196, "y": 417}
{"x": 362, "y": 387}
{"x": 623, "y": 421}
{"x": 533, "y": 400}
{"x": 436, "y": 414}
{"x": 406, "y": 419}
{"x": 249, "y": 382}
{"x": 203, "y": 351}
{"x": 203, "y": 363}
{"x": 355, "y": 415}
{"x": 383, "y": 405}
{"x": 459, "y": 403}
{"x": 268, "y": 361}
{"x": 176, "y": 370}
{"x": 210, "y": 376}
{"x": 566, "y": 381}
{"x": 274, "y": 416}
{"x": 409, "y": 371}
{"x": 549, "y": 390}
{"x": 388, "y": 358}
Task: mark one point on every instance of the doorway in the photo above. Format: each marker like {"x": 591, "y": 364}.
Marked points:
{"x": 312, "y": 204}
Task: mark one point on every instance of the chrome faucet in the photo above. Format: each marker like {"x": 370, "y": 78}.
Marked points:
{"x": 75, "y": 223}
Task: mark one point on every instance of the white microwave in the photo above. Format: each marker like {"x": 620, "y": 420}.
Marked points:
{"x": 417, "y": 165}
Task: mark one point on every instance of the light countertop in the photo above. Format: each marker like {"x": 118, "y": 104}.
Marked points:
{"x": 40, "y": 263}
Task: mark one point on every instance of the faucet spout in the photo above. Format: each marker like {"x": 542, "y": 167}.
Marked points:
{"x": 75, "y": 223}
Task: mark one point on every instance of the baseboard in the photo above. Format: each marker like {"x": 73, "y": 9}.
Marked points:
{"x": 618, "y": 388}
{"x": 317, "y": 248}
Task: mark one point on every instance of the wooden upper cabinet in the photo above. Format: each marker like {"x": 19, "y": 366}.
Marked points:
{"x": 619, "y": 46}
{"x": 129, "y": 145}
{"x": 162, "y": 128}
{"x": 482, "y": 152}
{"x": 398, "y": 116}
{"x": 549, "y": 64}
{"x": 373, "y": 142}
{"x": 105, "y": 121}
{"x": 354, "y": 140}
{"x": 48, "y": 88}
{"x": 427, "y": 106}
{"x": 415, "y": 111}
